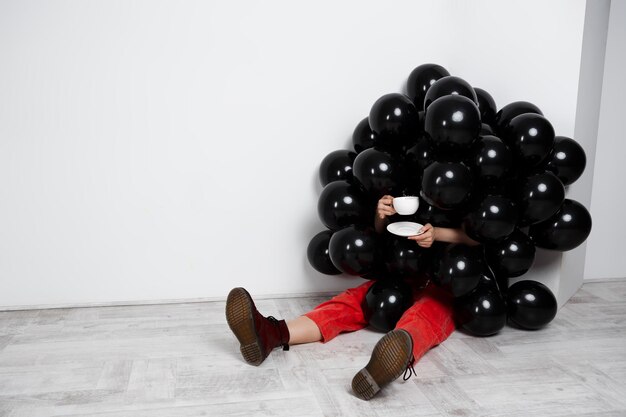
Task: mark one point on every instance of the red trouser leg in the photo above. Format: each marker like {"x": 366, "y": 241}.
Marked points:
{"x": 429, "y": 320}
{"x": 342, "y": 313}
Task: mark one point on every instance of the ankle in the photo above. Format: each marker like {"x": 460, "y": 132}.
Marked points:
{"x": 283, "y": 331}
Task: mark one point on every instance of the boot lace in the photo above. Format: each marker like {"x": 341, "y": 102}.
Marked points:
{"x": 274, "y": 321}
{"x": 409, "y": 371}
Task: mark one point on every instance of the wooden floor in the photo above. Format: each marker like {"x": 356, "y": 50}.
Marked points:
{"x": 181, "y": 360}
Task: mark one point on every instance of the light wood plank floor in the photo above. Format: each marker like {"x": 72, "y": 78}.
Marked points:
{"x": 181, "y": 360}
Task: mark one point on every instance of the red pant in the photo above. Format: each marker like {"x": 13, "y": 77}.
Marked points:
{"x": 428, "y": 321}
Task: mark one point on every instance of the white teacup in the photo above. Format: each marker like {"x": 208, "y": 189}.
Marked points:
{"x": 405, "y": 205}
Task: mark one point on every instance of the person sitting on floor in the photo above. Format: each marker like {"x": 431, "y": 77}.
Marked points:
{"x": 427, "y": 323}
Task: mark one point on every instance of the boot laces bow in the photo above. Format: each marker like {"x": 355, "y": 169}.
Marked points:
{"x": 409, "y": 371}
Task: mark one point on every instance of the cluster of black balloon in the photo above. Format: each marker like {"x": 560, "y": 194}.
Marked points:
{"x": 498, "y": 174}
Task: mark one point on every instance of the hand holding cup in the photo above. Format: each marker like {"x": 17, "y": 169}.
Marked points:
{"x": 385, "y": 207}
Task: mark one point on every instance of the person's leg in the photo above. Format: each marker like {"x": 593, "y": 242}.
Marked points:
{"x": 259, "y": 335}
{"x": 342, "y": 313}
{"x": 428, "y": 322}
{"x": 303, "y": 330}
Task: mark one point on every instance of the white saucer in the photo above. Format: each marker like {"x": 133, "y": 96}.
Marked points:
{"x": 404, "y": 228}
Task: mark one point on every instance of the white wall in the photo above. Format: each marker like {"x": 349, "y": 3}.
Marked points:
{"x": 606, "y": 245}
{"x": 162, "y": 150}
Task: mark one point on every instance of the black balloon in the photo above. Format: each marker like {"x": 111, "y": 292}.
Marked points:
{"x": 394, "y": 120}
{"x": 436, "y": 216}
{"x": 385, "y": 302}
{"x": 449, "y": 85}
{"x": 531, "y": 137}
{"x": 493, "y": 218}
{"x": 485, "y": 129}
{"x": 336, "y": 166}
{"x": 446, "y": 185}
{"x": 341, "y": 204}
{"x": 567, "y": 160}
{"x": 482, "y": 312}
{"x": 486, "y": 106}
{"x": 431, "y": 259}
{"x": 541, "y": 195}
{"x": 363, "y": 138}
{"x": 378, "y": 171}
{"x": 379, "y": 271}
{"x": 403, "y": 259}
{"x": 460, "y": 268}
{"x": 453, "y": 123}
{"x": 318, "y": 254}
{"x": 565, "y": 230}
{"x": 511, "y": 110}
{"x": 508, "y": 186}
{"x": 512, "y": 256}
{"x": 354, "y": 250}
{"x": 492, "y": 159}
{"x": 417, "y": 158}
{"x": 531, "y": 305}
{"x": 420, "y": 80}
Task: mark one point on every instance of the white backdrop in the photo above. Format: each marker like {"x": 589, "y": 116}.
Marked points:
{"x": 165, "y": 149}
{"x": 606, "y": 245}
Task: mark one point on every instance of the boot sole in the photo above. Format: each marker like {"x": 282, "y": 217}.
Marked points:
{"x": 389, "y": 360}
{"x": 239, "y": 315}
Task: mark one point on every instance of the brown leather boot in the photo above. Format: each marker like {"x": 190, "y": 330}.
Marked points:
{"x": 257, "y": 335}
{"x": 392, "y": 355}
